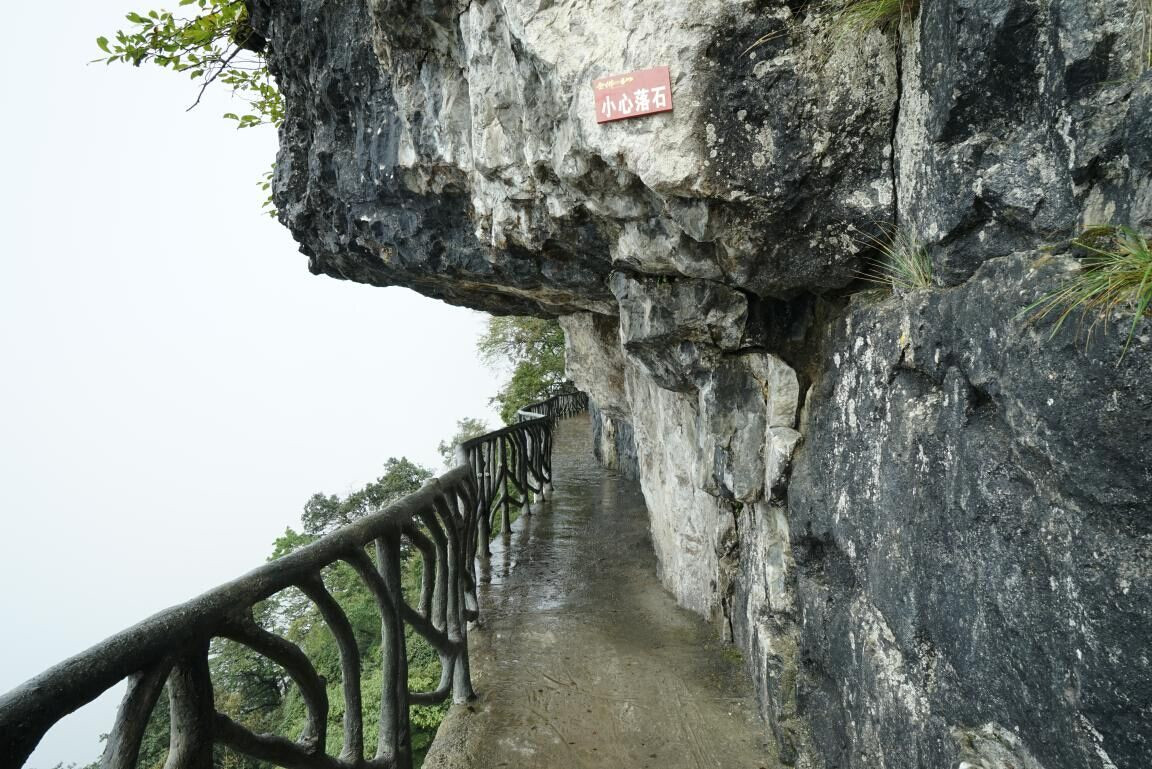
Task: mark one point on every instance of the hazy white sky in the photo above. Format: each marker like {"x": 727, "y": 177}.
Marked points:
{"x": 174, "y": 383}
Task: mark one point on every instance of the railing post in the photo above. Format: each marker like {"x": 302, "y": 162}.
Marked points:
{"x": 523, "y": 457}
{"x": 192, "y": 711}
{"x": 457, "y": 601}
{"x": 464, "y": 499}
{"x": 505, "y": 517}
{"x": 546, "y": 460}
{"x": 485, "y": 498}
{"x": 122, "y": 749}
{"x": 352, "y": 749}
{"x": 395, "y": 731}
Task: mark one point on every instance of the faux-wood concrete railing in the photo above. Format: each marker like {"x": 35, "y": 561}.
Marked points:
{"x": 445, "y": 522}
{"x": 511, "y": 464}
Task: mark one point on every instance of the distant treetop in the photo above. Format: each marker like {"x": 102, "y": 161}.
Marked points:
{"x": 534, "y": 347}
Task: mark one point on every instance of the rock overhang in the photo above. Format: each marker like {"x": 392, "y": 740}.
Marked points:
{"x": 452, "y": 148}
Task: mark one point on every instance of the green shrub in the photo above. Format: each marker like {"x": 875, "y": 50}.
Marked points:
{"x": 1115, "y": 276}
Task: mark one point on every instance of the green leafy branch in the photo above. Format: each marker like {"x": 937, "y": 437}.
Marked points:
{"x": 216, "y": 43}
{"x": 269, "y": 205}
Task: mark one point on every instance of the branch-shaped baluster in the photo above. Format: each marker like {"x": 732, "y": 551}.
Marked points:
{"x": 482, "y": 462}
{"x": 460, "y": 512}
{"x": 466, "y": 494}
{"x": 191, "y": 712}
{"x": 383, "y": 580}
{"x": 457, "y": 626}
{"x": 494, "y": 460}
{"x": 392, "y": 631}
{"x": 530, "y": 442}
{"x": 515, "y": 457}
{"x": 270, "y": 747}
{"x": 484, "y": 509}
{"x": 438, "y": 542}
{"x": 505, "y": 503}
{"x": 538, "y": 441}
{"x": 427, "y": 565}
{"x": 513, "y": 466}
{"x": 144, "y": 688}
{"x": 544, "y": 436}
{"x": 436, "y": 637}
{"x": 353, "y": 748}
{"x": 460, "y": 502}
{"x": 243, "y": 629}
{"x": 473, "y": 455}
{"x": 522, "y": 459}
{"x": 494, "y": 484}
{"x": 445, "y": 649}
{"x": 463, "y": 496}
{"x": 547, "y": 458}
{"x": 438, "y": 616}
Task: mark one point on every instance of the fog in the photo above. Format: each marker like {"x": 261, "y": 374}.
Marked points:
{"x": 175, "y": 383}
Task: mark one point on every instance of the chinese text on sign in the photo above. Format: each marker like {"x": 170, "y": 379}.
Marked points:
{"x": 632, "y": 94}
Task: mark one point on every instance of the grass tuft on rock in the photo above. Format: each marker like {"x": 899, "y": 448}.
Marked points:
{"x": 1115, "y": 277}
{"x": 860, "y": 16}
{"x": 903, "y": 264}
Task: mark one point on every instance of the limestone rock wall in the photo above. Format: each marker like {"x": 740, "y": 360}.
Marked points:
{"x": 923, "y": 520}
{"x": 970, "y": 528}
{"x": 613, "y": 442}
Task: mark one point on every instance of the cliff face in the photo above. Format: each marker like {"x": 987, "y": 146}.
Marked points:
{"x": 925, "y": 523}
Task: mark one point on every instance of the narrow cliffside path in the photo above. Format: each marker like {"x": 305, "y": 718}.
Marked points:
{"x": 583, "y": 659}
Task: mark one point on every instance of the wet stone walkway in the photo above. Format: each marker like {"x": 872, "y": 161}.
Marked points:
{"x": 583, "y": 659}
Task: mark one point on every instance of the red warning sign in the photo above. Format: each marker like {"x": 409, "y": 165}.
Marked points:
{"x": 632, "y": 94}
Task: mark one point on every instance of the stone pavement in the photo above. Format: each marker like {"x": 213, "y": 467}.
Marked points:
{"x": 583, "y": 660}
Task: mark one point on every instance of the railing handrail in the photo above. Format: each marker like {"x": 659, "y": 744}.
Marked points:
{"x": 455, "y": 510}
{"x": 561, "y": 404}
{"x": 106, "y": 663}
{"x": 545, "y": 413}
{"x": 490, "y": 436}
